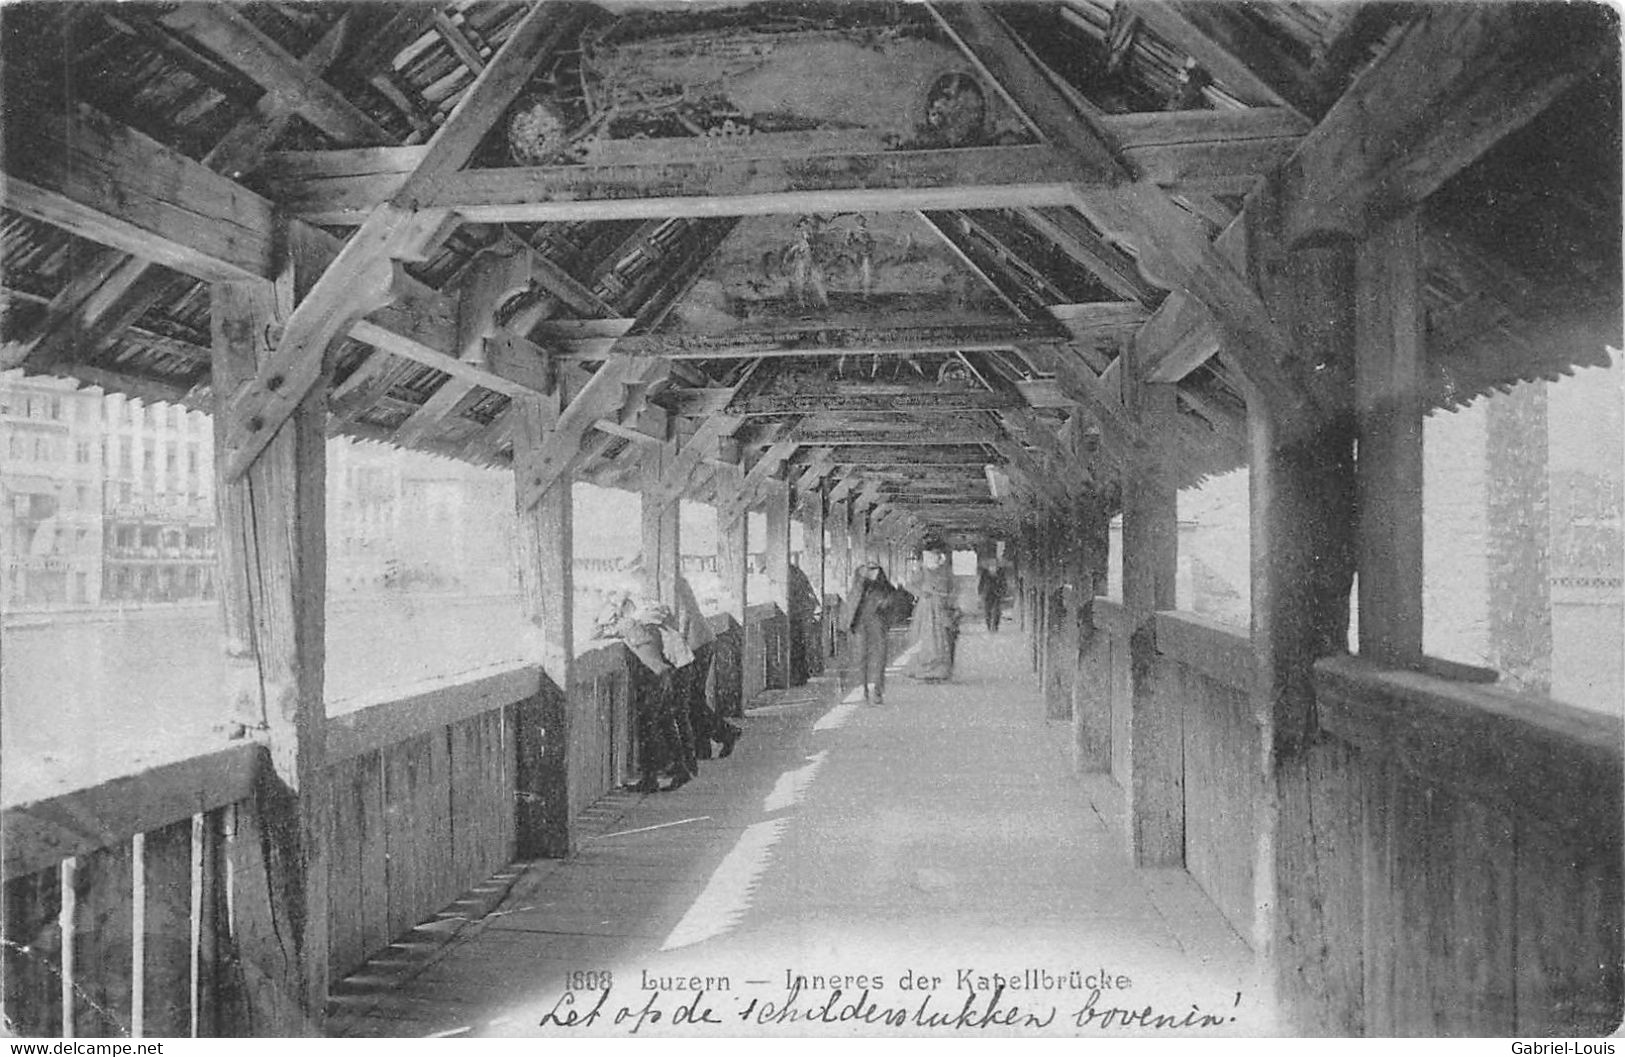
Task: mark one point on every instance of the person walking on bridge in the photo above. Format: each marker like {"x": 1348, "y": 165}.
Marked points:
{"x": 868, "y": 614}
{"x": 935, "y": 631}
{"x": 990, "y": 588}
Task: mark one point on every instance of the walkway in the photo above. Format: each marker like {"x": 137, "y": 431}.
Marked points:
{"x": 940, "y": 838}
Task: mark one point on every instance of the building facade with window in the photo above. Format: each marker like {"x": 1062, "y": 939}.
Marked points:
{"x": 158, "y": 528}
{"x": 50, "y": 495}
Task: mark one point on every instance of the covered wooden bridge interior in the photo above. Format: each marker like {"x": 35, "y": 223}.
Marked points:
{"x": 961, "y": 271}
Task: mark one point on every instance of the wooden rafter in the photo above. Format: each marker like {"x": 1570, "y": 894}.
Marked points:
{"x": 396, "y": 229}
{"x": 1170, "y": 240}
{"x": 222, "y": 29}
{"x": 112, "y": 292}
{"x": 1457, "y": 80}
{"x": 1182, "y": 334}
{"x": 1245, "y": 63}
{"x": 686, "y": 464}
{"x": 1073, "y": 235}
{"x": 556, "y": 455}
{"x": 759, "y": 477}
{"x": 99, "y": 180}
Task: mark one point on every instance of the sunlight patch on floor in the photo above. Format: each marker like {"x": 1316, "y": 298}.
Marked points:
{"x": 792, "y": 785}
{"x": 727, "y": 895}
{"x": 836, "y": 717}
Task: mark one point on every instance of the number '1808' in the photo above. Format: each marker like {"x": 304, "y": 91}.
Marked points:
{"x": 589, "y": 980}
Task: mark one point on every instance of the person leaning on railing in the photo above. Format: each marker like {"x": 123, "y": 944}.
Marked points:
{"x": 638, "y": 623}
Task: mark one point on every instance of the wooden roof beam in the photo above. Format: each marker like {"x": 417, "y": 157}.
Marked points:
{"x": 555, "y": 456}
{"x": 102, "y": 181}
{"x": 1458, "y": 79}
{"x": 860, "y": 399}
{"x": 757, "y": 478}
{"x": 887, "y": 181}
{"x": 803, "y": 339}
{"x": 1079, "y": 381}
{"x": 1074, "y": 237}
{"x": 655, "y": 303}
{"x": 398, "y": 229}
{"x": 691, "y": 457}
{"x": 973, "y": 457}
{"x": 106, "y": 296}
{"x": 1243, "y": 61}
{"x": 1205, "y": 151}
{"x": 222, "y": 29}
{"x": 1170, "y": 241}
{"x": 1429, "y": 130}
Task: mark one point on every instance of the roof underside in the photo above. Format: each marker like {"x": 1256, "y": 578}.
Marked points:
{"x": 857, "y": 244}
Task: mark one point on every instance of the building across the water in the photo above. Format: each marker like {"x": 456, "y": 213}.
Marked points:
{"x": 51, "y": 498}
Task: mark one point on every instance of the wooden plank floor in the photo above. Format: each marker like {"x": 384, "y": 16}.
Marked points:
{"x": 939, "y": 833}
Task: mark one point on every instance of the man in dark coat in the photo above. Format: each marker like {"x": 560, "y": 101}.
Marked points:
{"x": 990, "y": 587}
{"x": 868, "y": 615}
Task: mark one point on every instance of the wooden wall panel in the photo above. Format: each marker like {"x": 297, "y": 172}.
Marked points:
{"x": 166, "y": 930}
{"x": 1122, "y": 712}
{"x": 1221, "y": 749}
{"x": 1092, "y": 701}
{"x": 103, "y": 924}
{"x": 32, "y": 954}
{"x": 1568, "y": 935}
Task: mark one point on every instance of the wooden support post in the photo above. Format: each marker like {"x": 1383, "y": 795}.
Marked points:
{"x": 1388, "y": 366}
{"x": 1516, "y": 498}
{"x": 733, "y": 543}
{"x": 1041, "y": 568}
{"x": 860, "y": 536}
{"x": 1150, "y": 561}
{"x": 733, "y": 553}
{"x": 546, "y": 580}
{"x": 1302, "y": 506}
{"x": 1091, "y": 686}
{"x": 1302, "y": 485}
{"x": 813, "y": 565}
{"x": 1058, "y": 658}
{"x": 839, "y": 573}
{"x": 662, "y": 550}
{"x": 812, "y": 546}
{"x": 274, "y": 559}
{"x": 776, "y": 548}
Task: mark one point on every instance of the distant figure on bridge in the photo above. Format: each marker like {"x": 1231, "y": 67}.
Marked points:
{"x": 934, "y": 633}
{"x": 868, "y": 614}
{"x": 990, "y": 588}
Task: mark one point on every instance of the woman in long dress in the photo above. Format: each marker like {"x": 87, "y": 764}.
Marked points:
{"x": 934, "y": 630}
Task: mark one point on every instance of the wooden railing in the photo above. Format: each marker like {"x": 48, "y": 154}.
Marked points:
{"x": 1470, "y": 839}
{"x": 125, "y": 903}
{"x": 422, "y": 798}
{"x": 726, "y": 659}
{"x": 605, "y": 684}
{"x": 111, "y": 897}
{"x": 766, "y": 656}
{"x": 1101, "y": 703}
{"x": 1208, "y": 668}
